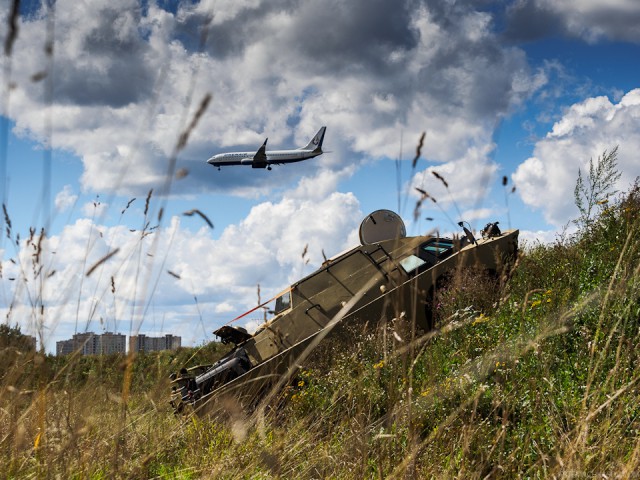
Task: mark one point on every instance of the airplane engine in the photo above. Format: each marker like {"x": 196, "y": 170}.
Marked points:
{"x": 246, "y": 161}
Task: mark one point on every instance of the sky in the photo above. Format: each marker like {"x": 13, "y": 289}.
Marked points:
{"x": 109, "y": 110}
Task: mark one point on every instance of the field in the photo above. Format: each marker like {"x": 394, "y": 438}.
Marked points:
{"x": 532, "y": 376}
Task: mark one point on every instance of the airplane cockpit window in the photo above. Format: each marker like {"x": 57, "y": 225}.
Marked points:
{"x": 283, "y": 302}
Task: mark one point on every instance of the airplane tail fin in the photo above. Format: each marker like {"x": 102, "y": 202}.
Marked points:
{"x": 316, "y": 143}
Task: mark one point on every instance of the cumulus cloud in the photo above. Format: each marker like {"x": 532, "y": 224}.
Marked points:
{"x": 477, "y": 214}
{"x": 65, "y": 198}
{"x": 546, "y": 180}
{"x": 267, "y": 246}
{"x": 127, "y": 80}
{"x": 528, "y": 238}
{"x": 590, "y": 20}
{"x": 95, "y": 209}
{"x": 460, "y": 184}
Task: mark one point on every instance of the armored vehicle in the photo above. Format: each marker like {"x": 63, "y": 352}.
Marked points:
{"x": 389, "y": 275}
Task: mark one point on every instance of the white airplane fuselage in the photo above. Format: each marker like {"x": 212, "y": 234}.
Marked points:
{"x": 273, "y": 157}
{"x": 264, "y": 159}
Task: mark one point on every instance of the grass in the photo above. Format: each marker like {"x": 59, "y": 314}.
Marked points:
{"x": 535, "y": 377}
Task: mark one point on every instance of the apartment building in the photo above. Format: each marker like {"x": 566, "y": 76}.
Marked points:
{"x": 143, "y": 343}
{"x": 89, "y": 343}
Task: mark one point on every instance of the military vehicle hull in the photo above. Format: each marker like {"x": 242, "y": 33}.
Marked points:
{"x": 370, "y": 283}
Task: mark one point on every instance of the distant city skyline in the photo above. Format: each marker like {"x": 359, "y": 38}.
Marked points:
{"x": 90, "y": 343}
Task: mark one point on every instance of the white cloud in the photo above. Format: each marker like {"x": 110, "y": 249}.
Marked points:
{"x": 267, "y": 246}
{"x": 95, "y": 209}
{"x": 224, "y": 307}
{"x": 546, "y": 180}
{"x": 478, "y": 214}
{"x": 65, "y": 199}
{"x": 469, "y": 180}
{"x": 528, "y": 238}
{"x": 590, "y": 20}
{"x": 594, "y": 20}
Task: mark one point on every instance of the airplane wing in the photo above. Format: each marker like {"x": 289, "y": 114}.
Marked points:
{"x": 260, "y": 158}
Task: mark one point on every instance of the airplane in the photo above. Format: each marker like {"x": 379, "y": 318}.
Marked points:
{"x": 264, "y": 159}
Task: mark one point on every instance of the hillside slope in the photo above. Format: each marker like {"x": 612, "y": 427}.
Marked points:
{"x": 533, "y": 376}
